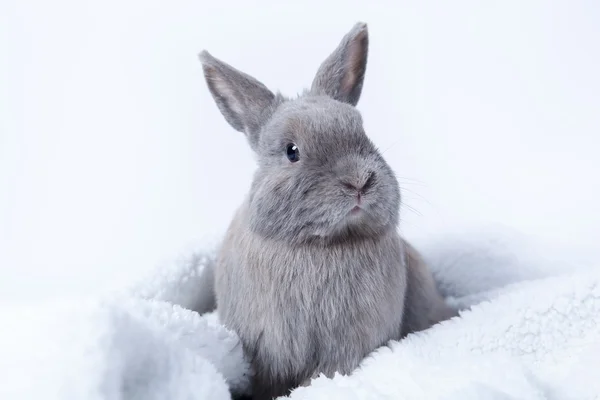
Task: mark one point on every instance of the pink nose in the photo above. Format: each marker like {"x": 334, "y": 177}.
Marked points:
{"x": 360, "y": 187}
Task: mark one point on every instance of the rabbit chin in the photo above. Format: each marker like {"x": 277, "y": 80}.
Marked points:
{"x": 355, "y": 224}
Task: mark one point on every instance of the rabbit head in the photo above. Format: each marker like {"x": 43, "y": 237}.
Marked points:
{"x": 319, "y": 176}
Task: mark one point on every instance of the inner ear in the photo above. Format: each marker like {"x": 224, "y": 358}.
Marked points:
{"x": 246, "y": 103}
{"x": 356, "y": 64}
{"x": 342, "y": 74}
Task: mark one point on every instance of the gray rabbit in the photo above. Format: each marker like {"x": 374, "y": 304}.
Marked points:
{"x": 313, "y": 274}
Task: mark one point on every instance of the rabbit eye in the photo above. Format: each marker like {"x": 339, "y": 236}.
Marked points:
{"x": 292, "y": 152}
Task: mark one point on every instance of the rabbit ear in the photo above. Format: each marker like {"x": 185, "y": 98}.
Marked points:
{"x": 244, "y": 102}
{"x": 342, "y": 74}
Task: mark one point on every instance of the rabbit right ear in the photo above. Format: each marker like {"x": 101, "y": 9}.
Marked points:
{"x": 244, "y": 102}
{"x": 342, "y": 74}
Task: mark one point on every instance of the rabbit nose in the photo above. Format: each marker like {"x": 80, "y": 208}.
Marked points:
{"x": 361, "y": 185}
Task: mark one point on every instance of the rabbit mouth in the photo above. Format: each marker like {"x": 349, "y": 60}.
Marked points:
{"x": 357, "y": 214}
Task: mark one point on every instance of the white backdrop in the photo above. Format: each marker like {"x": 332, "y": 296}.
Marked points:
{"x": 113, "y": 156}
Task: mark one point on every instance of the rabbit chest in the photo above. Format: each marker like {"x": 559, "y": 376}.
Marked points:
{"x": 305, "y": 310}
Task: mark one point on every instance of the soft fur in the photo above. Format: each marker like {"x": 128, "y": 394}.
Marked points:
{"x": 310, "y": 285}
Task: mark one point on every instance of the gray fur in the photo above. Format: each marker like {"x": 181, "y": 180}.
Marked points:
{"x": 424, "y": 305}
{"x": 309, "y": 286}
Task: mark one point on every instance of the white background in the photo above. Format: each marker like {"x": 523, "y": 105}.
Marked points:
{"x": 113, "y": 156}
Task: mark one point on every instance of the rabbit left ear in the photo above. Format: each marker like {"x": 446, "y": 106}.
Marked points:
{"x": 342, "y": 74}
{"x": 245, "y": 103}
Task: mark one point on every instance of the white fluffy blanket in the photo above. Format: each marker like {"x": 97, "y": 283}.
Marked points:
{"x": 530, "y": 330}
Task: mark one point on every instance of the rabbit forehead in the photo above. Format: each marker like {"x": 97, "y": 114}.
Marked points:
{"x": 317, "y": 121}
